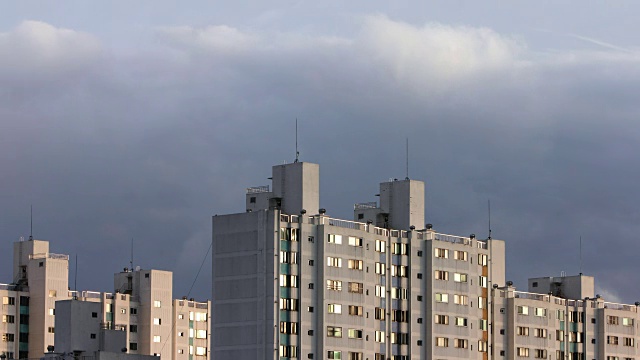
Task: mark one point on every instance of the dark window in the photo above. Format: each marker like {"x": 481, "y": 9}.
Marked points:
{"x": 501, "y": 352}
{"x": 593, "y": 320}
{"x": 24, "y": 337}
{"x": 360, "y": 216}
{"x": 310, "y": 332}
{"x": 310, "y": 238}
{"x": 252, "y": 199}
{"x": 310, "y": 356}
{"x": 419, "y": 297}
{"x": 419, "y": 342}
{"x": 310, "y": 308}
{"x": 419, "y": 276}
{"x": 24, "y": 319}
{"x": 93, "y": 336}
{"x": 41, "y": 264}
{"x": 146, "y": 275}
{"x": 310, "y": 262}
{"x": 501, "y": 331}
{"x": 419, "y": 252}
{"x": 310, "y": 285}
{"x": 534, "y": 284}
{"x": 24, "y": 300}
{"x": 133, "y": 346}
{"x": 419, "y": 320}
{"x": 593, "y": 341}
{"x": 94, "y": 314}
{"x": 133, "y": 328}
{"x": 133, "y": 311}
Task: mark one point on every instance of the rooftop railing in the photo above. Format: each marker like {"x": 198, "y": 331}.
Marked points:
{"x": 49, "y": 255}
{"x": 366, "y": 205}
{"x": 531, "y": 296}
{"x": 258, "y": 189}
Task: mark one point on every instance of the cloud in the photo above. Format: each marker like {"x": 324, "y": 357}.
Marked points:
{"x": 111, "y": 145}
{"x": 35, "y": 46}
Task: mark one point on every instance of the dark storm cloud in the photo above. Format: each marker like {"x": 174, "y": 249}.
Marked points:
{"x": 111, "y": 145}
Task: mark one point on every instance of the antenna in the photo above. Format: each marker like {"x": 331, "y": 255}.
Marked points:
{"x": 407, "y": 177}
{"x": 297, "y": 152}
{"x": 489, "y": 208}
{"x": 580, "y": 254}
{"x": 131, "y": 262}
{"x": 75, "y": 281}
{"x": 31, "y": 231}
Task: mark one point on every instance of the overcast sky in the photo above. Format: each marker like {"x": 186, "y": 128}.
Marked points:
{"x": 123, "y": 120}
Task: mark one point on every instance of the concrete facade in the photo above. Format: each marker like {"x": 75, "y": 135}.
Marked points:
{"x": 141, "y": 313}
{"x": 294, "y": 285}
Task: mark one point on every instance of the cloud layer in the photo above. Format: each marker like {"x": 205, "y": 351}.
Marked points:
{"x": 148, "y": 143}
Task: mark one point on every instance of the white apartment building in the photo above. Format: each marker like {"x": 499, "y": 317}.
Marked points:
{"x": 141, "y": 309}
{"x": 288, "y": 284}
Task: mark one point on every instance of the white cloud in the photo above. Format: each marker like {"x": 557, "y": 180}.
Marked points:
{"x": 608, "y": 294}
{"x": 35, "y": 46}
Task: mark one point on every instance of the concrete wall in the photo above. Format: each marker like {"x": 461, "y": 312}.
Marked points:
{"x": 298, "y": 184}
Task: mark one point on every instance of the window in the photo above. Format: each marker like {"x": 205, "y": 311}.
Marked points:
{"x": 8, "y": 300}
{"x": 460, "y": 299}
{"x": 286, "y": 327}
{"x": 288, "y": 257}
{"x": 108, "y": 307}
{"x": 540, "y": 333}
{"x": 334, "y": 239}
{"x": 380, "y": 336}
{"x": 441, "y": 275}
{"x": 458, "y": 277}
{"x": 399, "y": 249}
{"x": 334, "y": 331}
{"x": 310, "y": 309}
{"x": 380, "y": 291}
{"x": 522, "y": 331}
{"x": 399, "y": 270}
{"x": 133, "y": 328}
{"x": 94, "y": 314}
{"x": 400, "y": 315}
{"x": 541, "y": 312}
{"x": 8, "y": 337}
{"x": 419, "y": 253}
{"x": 380, "y": 268}
{"x": 482, "y": 259}
{"x": 355, "y": 310}
{"x": 157, "y": 304}
{"x": 354, "y": 241}
{"x": 133, "y": 311}
{"x": 200, "y": 316}
{"x": 482, "y": 346}
{"x": 156, "y": 338}
{"x": 333, "y": 354}
{"x": 399, "y": 293}
{"x": 288, "y": 351}
{"x": 483, "y": 281}
{"x": 461, "y": 343}
{"x": 399, "y": 338}
{"x": 354, "y": 356}
{"x": 482, "y": 302}
{"x": 355, "y": 334}
{"x": 290, "y": 281}
{"x": 181, "y": 334}
{"x": 289, "y": 304}
{"x": 379, "y": 313}
{"x": 442, "y": 319}
{"x": 460, "y": 255}
{"x": 310, "y": 285}
{"x": 334, "y": 308}
{"x": 560, "y": 335}
{"x": 612, "y": 340}
{"x": 628, "y": 341}
{"x": 627, "y": 321}
{"x": 523, "y": 310}
{"x": 613, "y": 320}
{"x": 123, "y": 311}
{"x": 575, "y": 316}
{"x": 133, "y": 346}
{"x": 355, "y": 264}
{"x": 52, "y": 293}
{"x": 460, "y": 321}
{"x": 442, "y": 253}
{"x": 356, "y": 287}
{"x": 381, "y": 245}
{"x": 483, "y": 324}
{"x": 419, "y": 276}
{"x": 310, "y": 239}
{"x": 92, "y": 336}
{"x": 334, "y": 285}
{"x": 540, "y": 354}
{"x": 202, "y": 334}
{"x": 9, "y": 319}
{"x": 157, "y": 321}
{"x": 442, "y": 341}
{"x": 51, "y": 330}
{"x": 522, "y": 352}
{"x": 441, "y": 297}
{"x": 334, "y": 261}
{"x": 180, "y": 351}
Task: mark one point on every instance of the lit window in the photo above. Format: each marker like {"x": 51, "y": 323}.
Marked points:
{"x": 156, "y": 338}
{"x": 460, "y": 321}
{"x": 52, "y": 293}
{"x": 441, "y": 275}
{"x": 460, "y": 299}
{"x": 334, "y": 239}
{"x": 442, "y": 341}
{"x": 333, "y": 354}
{"x": 381, "y": 245}
{"x": 523, "y": 310}
{"x": 355, "y": 264}
{"x": 523, "y": 352}
{"x": 157, "y": 304}
{"x": 334, "y": 261}
{"x": 380, "y": 268}
{"x": 442, "y": 253}
{"x": 356, "y": 287}
{"x": 334, "y": 331}
{"x": 442, "y": 297}
{"x": 355, "y": 333}
{"x": 334, "y": 308}
{"x": 458, "y": 277}
{"x": 354, "y": 241}
{"x": 201, "y": 351}
{"x": 201, "y": 334}
{"x": 334, "y": 285}
{"x": 442, "y": 319}
{"x": 380, "y": 336}
{"x": 157, "y": 321}
{"x": 380, "y": 291}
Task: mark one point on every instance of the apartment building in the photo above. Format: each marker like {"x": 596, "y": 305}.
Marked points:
{"x": 142, "y": 310}
{"x": 545, "y": 326}
{"x": 289, "y": 284}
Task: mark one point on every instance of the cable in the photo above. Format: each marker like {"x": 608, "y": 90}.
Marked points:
{"x": 173, "y": 326}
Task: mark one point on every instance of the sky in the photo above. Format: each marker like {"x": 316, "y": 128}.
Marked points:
{"x": 123, "y": 121}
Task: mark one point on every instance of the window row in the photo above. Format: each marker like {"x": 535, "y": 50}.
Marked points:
{"x": 351, "y": 240}
{"x": 457, "y": 254}
{"x": 460, "y": 343}
{"x": 525, "y": 310}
